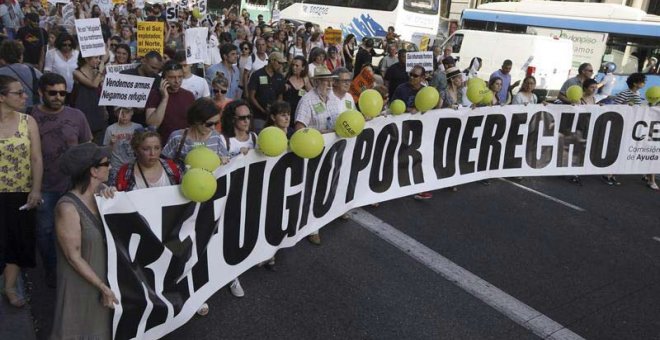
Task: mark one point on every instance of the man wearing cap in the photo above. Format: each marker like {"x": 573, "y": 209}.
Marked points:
{"x": 314, "y": 112}
{"x": 265, "y": 87}
{"x": 60, "y": 128}
{"x": 34, "y": 39}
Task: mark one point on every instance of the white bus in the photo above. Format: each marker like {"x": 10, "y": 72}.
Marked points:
{"x": 370, "y": 18}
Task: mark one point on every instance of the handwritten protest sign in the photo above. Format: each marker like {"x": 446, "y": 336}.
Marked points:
{"x": 332, "y": 36}
{"x": 90, "y": 38}
{"x": 196, "y": 46}
{"x": 119, "y": 68}
{"x": 125, "y": 90}
{"x": 150, "y": 37}
{"x": 172, "y": 13}
{"x": 425, "y": 59}
{"x": 68, "y": 16}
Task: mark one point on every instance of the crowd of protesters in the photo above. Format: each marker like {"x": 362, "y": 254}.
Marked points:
{"x": 58, "y": 147}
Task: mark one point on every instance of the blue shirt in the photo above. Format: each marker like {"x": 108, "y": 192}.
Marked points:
{"x": 233, "y": 92}
{"x": 506, "y": 82}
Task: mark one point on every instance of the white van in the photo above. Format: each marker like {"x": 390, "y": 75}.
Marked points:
{"x": 547, "y": 59}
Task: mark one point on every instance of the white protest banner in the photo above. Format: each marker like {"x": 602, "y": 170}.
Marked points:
{"x": 167, "y": 255}
{"x": 125, "y": 90}
{"x": 276, "y": 16}
{"x": 121, "y": 67}
{"x": 106, "y": 6}
{"x": 139, "y": 3}
{"x": 90, "y": 37}
{"x": 68, "y": 16}
{"x": 172, "y": 13}
{"x": 196, "y": 45}
{"x": 425, "y": 59}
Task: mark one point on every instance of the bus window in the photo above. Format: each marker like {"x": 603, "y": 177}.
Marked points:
{"x": 456, "y": 42}
{"x": 421, "y": 6}
{"x": 382, "y": 5}
{"x": 257, "y": 2}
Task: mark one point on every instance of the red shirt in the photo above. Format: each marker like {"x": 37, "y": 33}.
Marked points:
{"x": 175, "y": 112}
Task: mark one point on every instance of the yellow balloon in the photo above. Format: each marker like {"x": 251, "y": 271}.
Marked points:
{"x": 487, "y": 98}
{"x": 371, "y": 103}
{"x": 307, "y": 143}
{"x": 198, "y": 185}
{"x": 475, "y": 93}
{"x": 203, "y": 158}
{"x": 349, "y": 124}
{"x": 653, "y": 95}
{"x": 427, "y": 98}
{"x": 574, "y": 93}
{"x": 272, "y": 141}
{"x": 398, "y": 107}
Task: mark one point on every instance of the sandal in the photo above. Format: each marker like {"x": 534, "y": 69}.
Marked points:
{"x": 13, "y": 297}
{"x": 204, "y": 310}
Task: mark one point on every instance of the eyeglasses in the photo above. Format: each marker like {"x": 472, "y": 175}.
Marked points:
{"x": 106, "y": 163}
{"x": 589, "y": 70}
{"x": 415, "y": 75}
{"x": 19, "y": 92}
{"x": 66, "y": 45}
{"x": 246, "y": 48}
{"x": 210, "y": 124}
{"x": 223, "y": 91}
{"x": 244, "y": 118}
{"x": 113, "y": 45}
{"x": 53, "y": 93}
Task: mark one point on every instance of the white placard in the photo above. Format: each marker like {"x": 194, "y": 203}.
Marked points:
{"x": 121, "y": 67}
{"x": 172, "y": 13}
{"x": 425, "y": 59}
{"x": 68, "y": 15}
{"x": 139, "y": 3}
{"x": 90, "y": 37}
{"x": 125, "y": 90}
{"x": 196, "y": 45}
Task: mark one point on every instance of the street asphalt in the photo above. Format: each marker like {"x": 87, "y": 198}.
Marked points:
{"x": 589, "y": 260}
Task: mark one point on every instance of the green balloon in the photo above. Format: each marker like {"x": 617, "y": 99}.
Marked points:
{"x": 398, "y": 107}
{"x": 653, "y": 95}
{"x": 307, "y": 143}
{"x": 371, "y": 103}
{"x": 487, "y": 98}
{"x": 203, "y": 158}
{"x": 272, "y": 141}
{"x": 478, "y": 82}
{"x": 427, "y": 98}
{"x": 198, "y": 185}
{"x": 349, "y": 124}
{"x": 475, "y": 93}
{"x": 574, "y": 93}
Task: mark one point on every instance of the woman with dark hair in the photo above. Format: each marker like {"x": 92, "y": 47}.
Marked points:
{"x": 296, "y": 49}
{"x": 333, "y": 59}
{"x": 81, "y": 250}
{"x": 297, "y": 83}
{"x": 20, "y": 185}
{"x": 175, "y": 39}
{"x": 11, "y": 52}
{"x": 202, "y": 118}
{"x": 589, "y": 91}
{"x": 348, "y": 50}
{"x": 63, "y": 60}
{"x": 314, "y": 42}
{"x": 85, "y": 95}
{"x": 220, "y": 87}
{"x": 238, "y": 136}
{"x": 526, "y": 95}
{"x": 316, "y": 58}
{"x": 245, "y": 50}
{"x": 128, "y": 38}
{"x": 122, "y": 55}
{"x": 279, "y": 115}
{"x": 494, "y": 85}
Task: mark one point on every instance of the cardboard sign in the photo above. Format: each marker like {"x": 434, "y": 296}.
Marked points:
{"x": 172, "y": 13}
{"x": 332, "y": 36}
{"x": 196, "y": 45}
{"x": 425, "y": 59}
{"x": 90, "y": 37}
{"x": 150, "y": 37}
{"x": 125, "y": 90}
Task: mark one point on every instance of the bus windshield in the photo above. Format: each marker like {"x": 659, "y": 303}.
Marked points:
{"x": 422, "y": 6}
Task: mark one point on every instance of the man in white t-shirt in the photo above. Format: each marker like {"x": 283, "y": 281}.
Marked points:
{"x": 257, "y": 60}
{"x": 193, "y": 83}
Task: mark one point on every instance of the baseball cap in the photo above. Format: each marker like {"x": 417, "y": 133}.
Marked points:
{"x": 81, "y": 157}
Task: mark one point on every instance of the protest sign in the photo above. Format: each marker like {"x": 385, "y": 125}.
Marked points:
{"x": 139, "y": 3}
{"x": 332, "y": 36}
{"x": 425, "y": 59}
{"x": 68, "y": 16}
{"x": 150, "y": 37}
{"x": 201, "y": 5}
{"x": 125, "y": 90}
{"x": 106, "y": 6}
{"x": 196, "y": 46}
{"x": 118, "y": 2}
{"x": 421, "y": 40}
{"x": 121, "y": 67}
{"x": 172, "y": 13}
{"x": 167, "y": 255}
{"x": 277, "y": 16}
{"x": 90, "y": 37}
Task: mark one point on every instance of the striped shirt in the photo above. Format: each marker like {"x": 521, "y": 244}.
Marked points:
{"x": 628, "y": 97}
{"x": 214, "y": 142}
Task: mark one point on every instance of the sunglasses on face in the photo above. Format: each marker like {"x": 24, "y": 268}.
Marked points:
{"x": 106, "y": 163}
{"x": 66, "y": 45}
{"x": 415, "y": 75}
{"x": 223, "y": 91}
{"x": 244, "y": 118}
{"x": 53, "y": 93}
{"x": 210, "y": 124}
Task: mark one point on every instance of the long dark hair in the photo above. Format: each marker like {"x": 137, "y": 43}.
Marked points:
{"x": 229, "y": 117}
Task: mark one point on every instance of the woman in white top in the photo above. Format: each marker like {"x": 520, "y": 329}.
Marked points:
{"x": 236, "y": 128}
{"x": 316, "y": 58}
{"x": 526, "y": 95}
{"x": 297, "y": 49}
{"x": 63, "y": 60}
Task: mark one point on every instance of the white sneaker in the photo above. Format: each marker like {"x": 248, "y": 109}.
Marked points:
{"x": 236, "y": 289}
{"x": 653, "y": 186}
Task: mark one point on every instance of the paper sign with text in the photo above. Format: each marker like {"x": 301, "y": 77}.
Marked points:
{"x": 332, "y": 37}
{"x": 90, "y": 37}
{"x": 196, "y": 46}
{"x": 150, "y": 37}
{"x": 121, "y": 67}
{"x": 125, "y": 90}
{"x": 425, "y": 59}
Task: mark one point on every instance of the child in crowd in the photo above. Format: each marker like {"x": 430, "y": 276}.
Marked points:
{"x": 118, "y": 136}
{"x": 280, "y": 116}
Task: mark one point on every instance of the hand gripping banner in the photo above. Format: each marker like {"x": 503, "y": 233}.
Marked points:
{"x": 168, "y": 255}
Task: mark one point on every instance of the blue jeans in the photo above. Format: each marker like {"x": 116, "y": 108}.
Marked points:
{"x": 46, "y": 231}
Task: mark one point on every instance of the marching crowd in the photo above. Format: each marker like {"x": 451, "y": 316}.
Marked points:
{"x": 59, "y": 148}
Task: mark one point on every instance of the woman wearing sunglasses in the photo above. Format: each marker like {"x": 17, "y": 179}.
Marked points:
{"x": 220, "y": 87}
{"x": 63, "y": 60}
